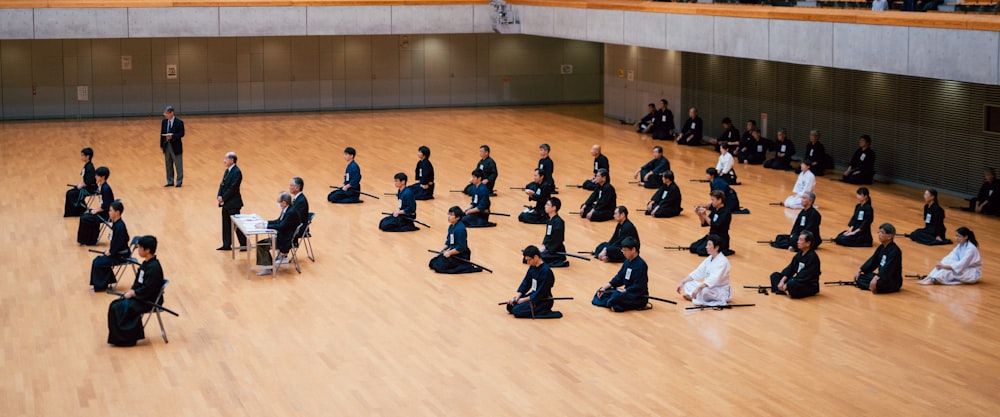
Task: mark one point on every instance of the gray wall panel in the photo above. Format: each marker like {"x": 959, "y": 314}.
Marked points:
{"x": 690, "y": 33}
{"x": 17, "y": 24}
{"x": 883, "y": 51}
{"x": 432, "y": 19}
{"x": 159, "y": 22}
{"x": 262, "y": 21}
{"x": 58, "y": 23}
{"x": 969, "y": 55}
{"x": 605, "y": 26}
{"x": 741, "y": 37}
{"x": 538, "y": 20}
{"x": 566, "y": 23}
{"x": 801, "y": 42}
{"x": 349, "y": 20}
{"x": 645, "y": 29}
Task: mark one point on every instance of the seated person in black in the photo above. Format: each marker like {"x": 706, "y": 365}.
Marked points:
{"x": 715, "y": 182}
{"x": 862, "y": 167}
{"x": 754, "y": 151}
{"x": 125, "y": 313}
{"x": 859, "y": 234}
{"x": 538, "y": 191}
{"x": 784, "y": 149}
{"x": 645, "y": 124}
{"x": 745, "y": 139}
{"x": 988, "y": 199}
{"x": 666, "y": 201}
{"x": 423, "y": 180}
{"x": 600, "y": 206}
{"x": 888, "y": 260}
{"x": 489, "y": 168}
{"x": 553, "y": 248}
{"x": 600, "y": 161}
{"x": 808, "y": 219}
{"x": 692, "y": 130}
{"x": 101, "y": 272}
{"x": 933, "y": 233}
{"x": 454, "y": 257}
{"x": 285, "y": 225}
{"x": 730, "y": 135}
{"x": 663, "y": 124}
{"x": 546, "y": 165}
{"x": 90, "y": 222}
{"x": 633, "y": 276}
{"x": 402, "y": 219}
{"x": 350, "y": 192}
{"x": 649, "y": 174}
{"x": 534, "y": 295}
{"x": 478, "y": 213}
{"x": 75, "y": 196}
{"x": 801, "y": 277}
{"x": 718, "y": 219}
{"x": 816, "y": 152}
{"x": 611, "y": 251}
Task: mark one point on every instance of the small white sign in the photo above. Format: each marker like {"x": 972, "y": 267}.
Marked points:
{"x": 631, "y": 75}
{"x": 172, "y": 71}
{"x": 126, "y": 62}
{"x": 566, "y": 69}
{"x": 82, "y": 93}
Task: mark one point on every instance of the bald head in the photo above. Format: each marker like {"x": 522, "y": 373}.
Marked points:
{"x": 595, "y": 150}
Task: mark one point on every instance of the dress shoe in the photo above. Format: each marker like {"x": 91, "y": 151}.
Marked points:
{"x": 224, "y": 248}
{"x": 178, "y": 186}
{"x": 169, "y": 185}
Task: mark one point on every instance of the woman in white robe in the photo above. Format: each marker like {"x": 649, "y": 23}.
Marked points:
{"x": 962, "y": 266}
{"x": 804, "y": 184}
{"x": 708, "y": 284}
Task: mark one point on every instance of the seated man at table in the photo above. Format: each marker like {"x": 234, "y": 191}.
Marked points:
{"x": 285, "y": 225}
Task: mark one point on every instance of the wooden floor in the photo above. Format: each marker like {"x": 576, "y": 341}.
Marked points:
{"x": 368, "y": 330}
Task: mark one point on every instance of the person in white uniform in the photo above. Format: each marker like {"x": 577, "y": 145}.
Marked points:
{"x": 962, "y": 266}
{"x": 804, "y": 184}
{"x": 708, "y": 284}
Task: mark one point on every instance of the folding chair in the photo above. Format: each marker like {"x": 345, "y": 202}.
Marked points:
{"x": 130, "y": 261}
{"x": 157, "y": 310}
{"x": 90, "y": 198}
{"x": 305, "y": 237}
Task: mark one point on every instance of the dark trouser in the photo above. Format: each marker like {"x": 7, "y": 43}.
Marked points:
{"x": 340, "y": 196}
{"x": 924, "y": 237}
{"x": 730, "y": 177}
{"x": 419, "y": 193}
{"x": 468, "y": 189}
{"x": 591, "y": 186}
{"x": 796, "y": 288}
{"x": 227, "y": 229}
{"x": 554, "y": 260}
{"x": 599, "y": 215}
{"x": 125, "y": 321}
{"x": 857, "y": 179}
{"x": 171, "y": 160}
{"x": 779, "y": 163}
{"x": 90, "y": 228}
{"x": 264, "y": 252}
{"x": 523, "y": 310}
{"x": 655, "y": 181}
{"x": 857, "y": 240}
{"x": 664, "y": 211}
{"x": 752, "y": 158}
{"x": 396, "y": 224}
{"x": 533, "y": 217}
{"x": 614, "y": 254}
{"x": 74, "y": 202}
{"x": 700, "y": 246}
{"x": 451, "y": 265}
{"x": 882, "y": 286}
{"x": 101, "y": 272}
{"x": 987, "y": 209}
{"x": 477, "y": 220}
{"x": 691, "y": 142}
{"x": 789, "y": 241}
{"x": 619, "y": 301}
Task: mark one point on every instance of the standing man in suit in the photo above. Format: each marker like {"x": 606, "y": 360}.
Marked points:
{"x": 171, "y": 132}
{"x": 231, "y": 201}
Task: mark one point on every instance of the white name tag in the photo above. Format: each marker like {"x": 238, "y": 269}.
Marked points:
{"x": 862, "y": 157}
{"x": 811, "y": 152}
{"x": 475, "y": 199}
{"x": 420, "y": 172}
{"x": 628, "y": 274}
{"x": 715, "y": 218}
{"x": 664, "y": 195}
{"x": 400, "y": 204}
{"x": 541, "y": 166}
{"x": 881, "y": 264}
{"x": 802, "y": 221}
{"x": 142, "y": 277}
{"x": 927, "y": 218}
{"x": 663, "y": 118}
{"x": 347, "y": 177}
{"x": 480, "y": 166}
{"x": 595, "y": 166}
{"x": 534, "y": 285}
{"x": 692, "y": 125}
{"x": 782, "y": 148}
{"x": 801, "y": 265}
{"x": 82, "y": 171}
{"x": 548, "y": 230}
{"x": 451, "y": 239}
{"x": 760, "y": 148}
{"x": 861, "y": 215}
{"x": 600, "y": 193}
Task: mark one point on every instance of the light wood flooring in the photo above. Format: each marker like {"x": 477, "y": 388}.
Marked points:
{"x": 368, "y": 329}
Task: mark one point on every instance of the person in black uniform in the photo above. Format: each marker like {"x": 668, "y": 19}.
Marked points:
{"x": 808, "y": 219}
{"x": 555, "y": 234}
{"x": 716, "y": 182}
{"x": 101, "y": 272}
{"x": 171, "y": 133}
{"x": 666, "y": 201}
{"x": 745, "y": 139}
{"x": 538, "y": 191}
{"x": 350, "y": 192}
{"x": 230, "y": 201}
{"x": 888, "y": 260}
{"x": 456, "y": 246}
{"x": 600, "y": 161}
{"x": 299, "y": 202}
{"x": 859, "y": 233}
{"x": 784, "y": 149}
{"x": 988, "y": 199}
{"x": 692, "y": 130}
{"x": 633, "y": 275}
{"x": 754, "y": 151}
{"x": 285, "y": 225}
{"x": 645, "y": 124}
{"x": 489, "y": 168}
{"x": 90, "y": 222}
{"x": 718, "y": 219}
{"x": 801, "y": 277}
{"x": 546, "y": 165}
{"x": 650, "y": 173}
{"x": 862, "y": 167}
{"x": 478, "y": 213}
{"x": 611, "y": 251}
{"x": 933, "y": 233}
{"x": 816, "y": 152}
{"x": 125, "y": 313}
{"x": 600, "y": 206}
{"x": 663, "y": 123}
{"x": 75, "y": 204}
{"x": 423, "y": 180}
{"x": 730, "y": 135}
{"x": 402, "y": 219}
{"x": 534, "y": 295}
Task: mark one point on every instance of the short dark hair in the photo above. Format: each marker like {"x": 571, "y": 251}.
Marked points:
{"x": 888, "y": 228}
{"x": 457, "y": 211}
{"x": 400, "y": 176}
{"x": 89, "y": 152}
{"x": 718, "y": 194}
{"x": 148, "y": 242}
{"x": 868, "y": 139}
{"x": 810, "y": 237}
{"x": 724, "y": 145}
{"x": 715, "y": 239}
{"x": 118, "y": 206}
{"x": 631, "y": 243}
{"x": 485, "y": 148}
{"x": 664, "y": 101}
{"x": 350, "y": 151}
{"x": 622, "y": 210}
{"x": 555, "y": 202}
{"x": 168, "y": 109}
{"x": 298, "y": 181}
{"x": 727, "y": 121}
{"x": 478, "y": 173}
{"x": 658, "y": 148}
{"x": 531, "y": 251}
{"x": 603, "y": 172}
{"x": 103, "y": 172}
{"x": 425, "y": 150}
{"x": 540, "y": 172}
{"x": 668, "y": 174}
{"x": 752, "y": 121}
{"x": 712, "y": 171}
{"x": 545, "y": 146}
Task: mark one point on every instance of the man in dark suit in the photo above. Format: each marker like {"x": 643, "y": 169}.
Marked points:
{"x": 231, "y": 202}
{"x": 285, "y": 225}
{"x": 171, "y": 132}
{"x": 299, "y": 203}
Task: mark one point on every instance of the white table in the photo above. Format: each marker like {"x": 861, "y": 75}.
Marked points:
{"x": 254, "y": 225}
